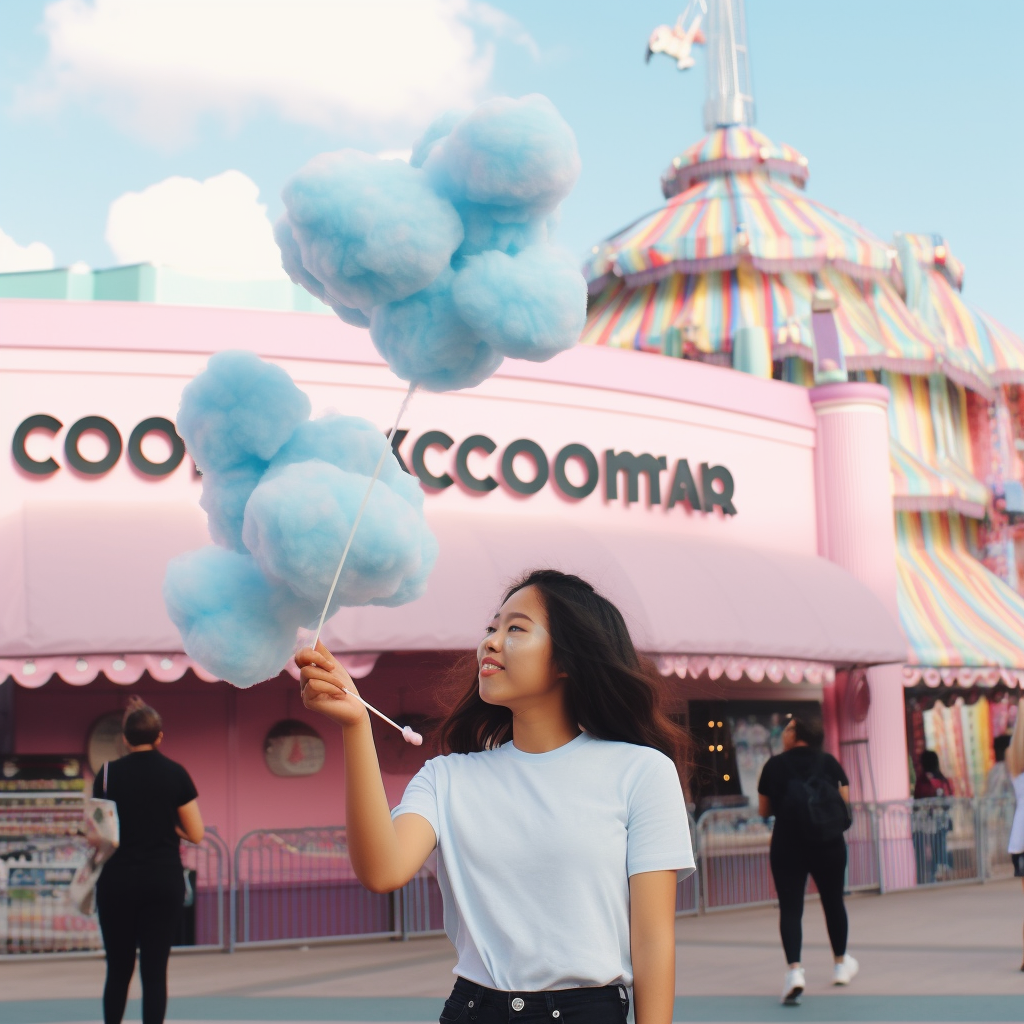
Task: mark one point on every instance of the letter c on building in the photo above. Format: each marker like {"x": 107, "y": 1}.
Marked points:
{"x": 36, "y": 467}
{"x": 159, "y": 425}
{"x": 114, "y": 445}
{"x": 477, "y": 442}
{"x": 431, "y": 439}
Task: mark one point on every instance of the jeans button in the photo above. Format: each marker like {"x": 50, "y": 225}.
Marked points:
{"x": 470, "y": 1004}
{"x": 556, "y": 1013}
{"x": 517, "y": 1004}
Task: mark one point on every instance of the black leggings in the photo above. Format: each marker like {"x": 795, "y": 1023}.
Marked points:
{"x": 139, "y": 909}
{"x": 826, "y": 864}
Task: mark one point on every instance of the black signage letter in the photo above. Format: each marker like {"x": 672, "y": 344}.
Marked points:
{"x": 586, "y": 456}
{"x": 38, "y": 422}
{"x": 684, "y": 488}
{"x": 478, "y": 442}
{"x": 114, "y": 445}
{"x": 158, "y": 425}
{"x": 431, "y": 439}
{"x": 396, "y": 443}
{"x": 723, "y": 498}
{"x": 633, "y": 465}
{"x": 508, "y": 469}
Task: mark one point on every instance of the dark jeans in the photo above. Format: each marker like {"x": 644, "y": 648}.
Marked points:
{"x": 792, "y": 862}
{"x": 139, "y": 909}
{"x": 469, "y": 1002}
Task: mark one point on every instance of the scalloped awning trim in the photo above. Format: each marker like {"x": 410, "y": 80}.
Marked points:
{"x": 126, "y": 669}
{"x": 963, "y": 675}
{"x": 755, "y": 669}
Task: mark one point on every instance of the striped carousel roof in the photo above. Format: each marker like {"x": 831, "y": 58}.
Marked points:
{"x": 952, "y": 609}
{"x": 971, "y": 342}
{"x": 700, "y": 313}
{"x": 734, "y": 218}
{"x": 738, "y": 148}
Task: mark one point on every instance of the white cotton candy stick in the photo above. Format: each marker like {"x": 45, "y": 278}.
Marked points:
{"x": 408, "y": 733}
{"x": 359, "y": 516}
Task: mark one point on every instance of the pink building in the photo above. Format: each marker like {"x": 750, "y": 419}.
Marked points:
{"x": 744, "y": 526}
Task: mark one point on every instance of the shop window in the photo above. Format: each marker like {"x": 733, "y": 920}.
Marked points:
{"x": 106, "y": 741}
{"x": 293, "y": 748}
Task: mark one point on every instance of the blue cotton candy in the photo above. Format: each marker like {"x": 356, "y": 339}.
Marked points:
{"x": 352, "y": 444}
{"x": 298, "y": 521}
{"x": 424, "y": 339}
{"x": 511, "y": 153}
{"x": 436, "y": 131}
{"x": 240, "y": 409}
{"x": 528, "y": 306}
{"x": 414, "y": 586}
{"x": 369, "y": 231}
{"x": 223, "y": 500}
{"x": 232, "y": 620}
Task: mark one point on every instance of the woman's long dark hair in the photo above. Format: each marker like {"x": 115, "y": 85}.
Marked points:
{"x": 611, "y": 691}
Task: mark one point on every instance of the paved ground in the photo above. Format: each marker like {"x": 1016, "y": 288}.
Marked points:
{"x": 941, "y": 955}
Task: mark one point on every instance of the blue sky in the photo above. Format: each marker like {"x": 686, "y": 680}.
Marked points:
{"x": 909, "y": 111}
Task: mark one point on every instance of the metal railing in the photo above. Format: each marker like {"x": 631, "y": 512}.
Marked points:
{"x": 204, "y": 923}
{"x": 291, "y": 886}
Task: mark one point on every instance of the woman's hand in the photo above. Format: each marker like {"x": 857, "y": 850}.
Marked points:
{"x": 323, "y": 682}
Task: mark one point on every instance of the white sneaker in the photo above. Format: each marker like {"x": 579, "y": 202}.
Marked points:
{"x": 794, "y": 987}
{"x": 846, "y": 971}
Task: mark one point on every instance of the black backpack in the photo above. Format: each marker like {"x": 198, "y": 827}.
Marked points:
{"x": 816, "y": 806}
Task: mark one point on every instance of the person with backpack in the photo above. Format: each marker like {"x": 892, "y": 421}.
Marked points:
{"x": 808, "y": 793}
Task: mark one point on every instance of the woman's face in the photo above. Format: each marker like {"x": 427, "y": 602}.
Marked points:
{"x": 515, "y": 656}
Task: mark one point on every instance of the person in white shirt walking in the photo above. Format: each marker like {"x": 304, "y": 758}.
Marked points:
{"x": 557, "y": 813}
{"x": 1015, "y": 768}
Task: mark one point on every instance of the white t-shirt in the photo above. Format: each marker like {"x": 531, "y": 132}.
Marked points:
{"x": 1016, "y": 844}
{"x": 535, "y": 853}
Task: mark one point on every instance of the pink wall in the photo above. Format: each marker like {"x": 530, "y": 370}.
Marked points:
{"x": 218, "y": 732}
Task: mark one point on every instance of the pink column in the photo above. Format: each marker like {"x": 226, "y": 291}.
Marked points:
{"x": 856, "y": 530}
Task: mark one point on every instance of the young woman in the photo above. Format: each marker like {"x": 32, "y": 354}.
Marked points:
{"x": 793, "y": 857}
{"x": 142, "y": 888}
{"x": 557, "y": 813}
{"x": 1015, "y": 767}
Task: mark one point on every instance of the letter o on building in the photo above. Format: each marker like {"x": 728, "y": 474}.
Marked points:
{"x": 508, "y": 469}
{"x": 158, "y": 425}
{"x": 586, "y": 456}
{"x": 114, "y": 445}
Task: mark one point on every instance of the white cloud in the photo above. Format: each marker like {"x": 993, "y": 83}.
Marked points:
{"x": 34, "y": 256}
{"x": 157, "y": 66}
{"x": 211, "y": 228}
{"x": 395, "y": 154}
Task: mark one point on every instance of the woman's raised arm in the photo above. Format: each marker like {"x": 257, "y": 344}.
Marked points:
{"x": 385, "y": 854}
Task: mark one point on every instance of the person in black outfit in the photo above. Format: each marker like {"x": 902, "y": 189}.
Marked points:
{"x": 793, "y": 856}
{"x": 142, "y": 887}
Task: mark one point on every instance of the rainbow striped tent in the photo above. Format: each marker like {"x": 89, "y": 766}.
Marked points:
{"x": 930, "y": 474}
{"x": 970, "y": 340}
{"x": 736, "y": 149}
{"x": 700, "y": 313}
{"x": 953, "y": 610}
{"x": 724, "y": 221}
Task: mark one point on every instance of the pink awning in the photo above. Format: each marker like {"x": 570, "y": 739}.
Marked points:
{"x": 84, "y": 582}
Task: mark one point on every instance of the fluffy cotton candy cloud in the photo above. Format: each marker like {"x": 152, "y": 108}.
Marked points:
{"x": 369, "y": 231}
{"x": 519, "y": 155}
{"x": 424, "y": 339}
{"x": 528, "y": 306}
{"x": 211, "y": 228}
{"x": 14, "y": 257}
{"x": 239, "y": 409}
{"x": 232, "y": 620}
{"x": 298, "y": 521}
{"x": 156, "y": 67}
{"x": 353, "y": 445}
{"x": 281, "y": 493}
